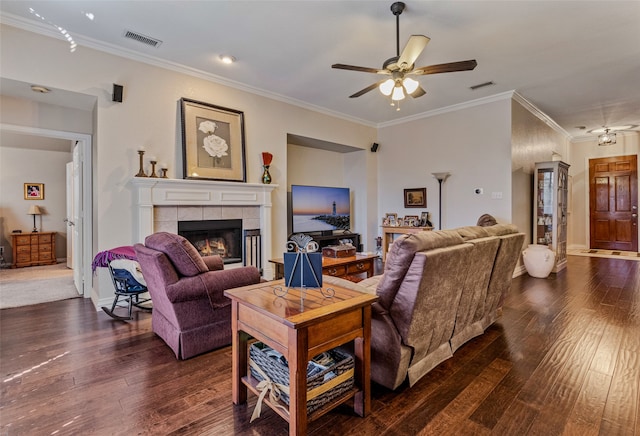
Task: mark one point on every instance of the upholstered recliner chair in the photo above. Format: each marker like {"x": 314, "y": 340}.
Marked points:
{"x": 190, "y": 312}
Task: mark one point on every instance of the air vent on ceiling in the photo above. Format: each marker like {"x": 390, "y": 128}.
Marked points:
{"x": 142, "y": 38}
{"x": 481, "y": 85}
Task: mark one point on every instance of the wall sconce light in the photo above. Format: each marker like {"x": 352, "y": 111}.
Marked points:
{"x": 440, "y": 177}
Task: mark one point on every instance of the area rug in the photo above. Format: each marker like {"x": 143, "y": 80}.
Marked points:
{"x": 610, "y": 254}
{"x": 35, "y": 285}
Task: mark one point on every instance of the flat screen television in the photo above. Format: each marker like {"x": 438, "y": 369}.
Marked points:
{"x": 320, "y": 209}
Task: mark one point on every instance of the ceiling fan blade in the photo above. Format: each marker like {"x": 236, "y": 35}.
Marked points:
{"x": 446, "y": 68}
{"x": 412, "y": 50}
{"x": 362, "y": 69}
{"x": 419, "y": 92}
{"x": 367, "y": 89}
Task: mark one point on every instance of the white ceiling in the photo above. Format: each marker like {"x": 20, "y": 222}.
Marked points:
{"x": 577, "y": 61}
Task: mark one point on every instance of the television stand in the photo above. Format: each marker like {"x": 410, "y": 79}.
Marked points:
{"x": 325, "y": 240}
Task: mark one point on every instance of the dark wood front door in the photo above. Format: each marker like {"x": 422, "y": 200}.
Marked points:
{"x": 613, "y": 203}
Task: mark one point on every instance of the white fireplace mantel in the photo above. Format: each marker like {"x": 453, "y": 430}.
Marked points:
{"x": 151, "y": 192}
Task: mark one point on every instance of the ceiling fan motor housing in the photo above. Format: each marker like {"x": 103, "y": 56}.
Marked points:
{"x": 397, "y": 8}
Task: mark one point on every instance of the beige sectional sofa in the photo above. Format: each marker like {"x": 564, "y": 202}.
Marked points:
{"x": 439, "y": 289}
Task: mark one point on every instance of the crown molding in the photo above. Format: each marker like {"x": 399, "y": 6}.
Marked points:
{"x": 452, "y": 108}
{"x": 540, "y": 115}
{"x": 84, "y": 41}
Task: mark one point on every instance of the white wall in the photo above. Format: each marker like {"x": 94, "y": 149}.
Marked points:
{"x": 581, "y": 152}
{"x": 19, "y": 166}
{"x": 149, "y": 117}
{"x": 23, "y": 112}
{"x": 532, "y": 140}
{"x": 473, "y": 144}
{"x": 312, "y": 166}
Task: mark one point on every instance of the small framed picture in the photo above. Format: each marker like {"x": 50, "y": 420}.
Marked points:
{"x": 424, "y": 220}
{"x": 34, "y": 191}
{"x": 410, "y": 220}
{"x": 392, "y": 219}
{"x": 415, "y": 197}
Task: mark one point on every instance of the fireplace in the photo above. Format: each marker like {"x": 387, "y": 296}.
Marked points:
{"x": 215, "y": 238}
{"x": 161, "y": 203}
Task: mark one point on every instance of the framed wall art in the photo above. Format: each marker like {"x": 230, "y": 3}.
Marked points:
{"x": 212, "y": 142}
{"x": 34, "y": 191}
{"x": 416, "y": 197}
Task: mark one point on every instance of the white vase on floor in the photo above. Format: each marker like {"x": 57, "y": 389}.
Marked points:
{"x": 539, "y": 260}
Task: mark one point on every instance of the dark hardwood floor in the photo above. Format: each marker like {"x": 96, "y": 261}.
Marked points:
{"x": 564, "y": 358}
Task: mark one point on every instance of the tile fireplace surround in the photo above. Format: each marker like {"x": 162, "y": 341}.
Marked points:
{"x": 160, "y": 203}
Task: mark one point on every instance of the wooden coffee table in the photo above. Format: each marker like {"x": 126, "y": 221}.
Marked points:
{"x": 344, "y": 267}
{"x": 301, "y": 329}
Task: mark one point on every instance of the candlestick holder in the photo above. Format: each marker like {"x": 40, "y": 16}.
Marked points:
{"x": 141, "y": 172}
{"x": 164, "y": 173}
{"x": 153, "y": 168}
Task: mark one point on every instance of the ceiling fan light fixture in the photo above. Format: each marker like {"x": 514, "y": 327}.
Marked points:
{"x": 398, "y": 93}
{"x": 386, "y": 87}
{"x": 607, "y": 138}
{"x": 410, "y": 85}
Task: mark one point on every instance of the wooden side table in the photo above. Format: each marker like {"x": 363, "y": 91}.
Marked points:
{"x": 300, "y": 330}
{"x": 389, "y": 231}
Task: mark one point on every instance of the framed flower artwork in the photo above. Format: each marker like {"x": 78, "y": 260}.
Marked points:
{"x": 212, "y": 142}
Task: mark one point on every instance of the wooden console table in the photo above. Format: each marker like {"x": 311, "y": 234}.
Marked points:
{"x": 389, "y": 231}
{"x": 30, "y": 249}
{"x": 300, "y": 330}
{"x": 345, "y": 267}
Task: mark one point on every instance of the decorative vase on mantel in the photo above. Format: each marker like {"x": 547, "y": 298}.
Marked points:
{"x": 266, "y": 176}
{"x": 266, "y": 162}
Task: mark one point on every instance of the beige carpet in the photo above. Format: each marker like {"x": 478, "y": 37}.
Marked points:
{"x": 35, "y": 285}
{"x": 610, "y": 254}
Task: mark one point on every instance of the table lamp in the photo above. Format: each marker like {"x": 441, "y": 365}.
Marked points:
{"x": 34, "y": 210}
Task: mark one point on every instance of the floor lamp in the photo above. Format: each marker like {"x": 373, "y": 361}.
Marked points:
{"x": 441, "y": 177}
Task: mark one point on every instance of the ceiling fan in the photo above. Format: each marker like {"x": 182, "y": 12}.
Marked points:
{"x": 401, "y": 66}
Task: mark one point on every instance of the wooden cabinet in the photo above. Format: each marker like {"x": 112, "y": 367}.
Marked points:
{"x": 551, "y": 194}
{"x": 31, "y": 249}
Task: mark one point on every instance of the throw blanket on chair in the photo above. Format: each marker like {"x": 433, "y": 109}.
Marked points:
{"x": 103, "y": 258}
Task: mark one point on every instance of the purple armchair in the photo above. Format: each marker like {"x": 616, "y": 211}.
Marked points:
{"x": 190, "y": 312}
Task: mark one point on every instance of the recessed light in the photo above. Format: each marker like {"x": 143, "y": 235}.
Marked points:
{"x": 227, "y": 59}
{"x": 40, "y": 89}
{"x": 89, "y": 15}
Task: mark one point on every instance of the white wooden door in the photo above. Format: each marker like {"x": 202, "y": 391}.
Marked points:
{"x": 69, "y": 215}
{"x": 77, "y": 219}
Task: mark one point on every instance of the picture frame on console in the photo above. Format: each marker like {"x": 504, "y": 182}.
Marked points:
{"x": 213, "y": 143}
{"x": 415, "y": 197}
{"x": 411, "y": 220}
{"x": 391, "y": 219}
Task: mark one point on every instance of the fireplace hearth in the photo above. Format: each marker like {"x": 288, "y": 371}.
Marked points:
{"x": 215, "y": 237}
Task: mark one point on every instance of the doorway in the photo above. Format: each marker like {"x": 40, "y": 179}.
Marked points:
{"x": 83, "y": 200}
{"x": 613, "y": 203}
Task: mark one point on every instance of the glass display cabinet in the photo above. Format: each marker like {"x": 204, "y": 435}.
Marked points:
{"x": 551, "y": 194}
